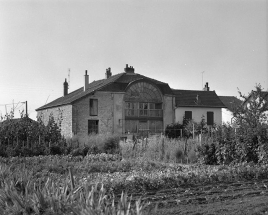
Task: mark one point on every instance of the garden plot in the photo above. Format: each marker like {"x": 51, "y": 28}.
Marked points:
{"x": 173, "y": 188}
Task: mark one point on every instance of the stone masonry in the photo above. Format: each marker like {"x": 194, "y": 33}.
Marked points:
{"x": 63, "y": 114}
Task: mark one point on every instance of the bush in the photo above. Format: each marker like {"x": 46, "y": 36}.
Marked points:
{"x": 77, "y": 152}
{"x": 207, "y": 154}
{"x": 93, "y": 150}
{"x": 14, "y": 133}
{"x": 173, "y": 130}
{"x": 111, "y": 145}
{"x": 55, "y": 150}
{"x": 179, "y": 155}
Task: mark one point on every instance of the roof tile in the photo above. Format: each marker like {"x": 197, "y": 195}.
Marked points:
{"x": 196, "y": 98}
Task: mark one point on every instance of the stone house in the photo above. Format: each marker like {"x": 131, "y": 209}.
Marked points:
{"x": 123, "y": 103}
{"x": 195, "y": 104}
{"x": 128, "y": 103}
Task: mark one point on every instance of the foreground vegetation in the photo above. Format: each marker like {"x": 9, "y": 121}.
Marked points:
{"x": 43, "y": 173}
{"x": 101, "y": 184}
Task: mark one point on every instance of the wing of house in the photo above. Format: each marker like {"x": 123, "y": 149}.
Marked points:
{"x": 231, "y": 102}
{"x": 195, "y": 104}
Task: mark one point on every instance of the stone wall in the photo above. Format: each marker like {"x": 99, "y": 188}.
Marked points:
{"x": 168, "y": 110}
{"x": 119, "y": 113}
{"x": 81, "y": 114}
{"x": 63, "y": 114}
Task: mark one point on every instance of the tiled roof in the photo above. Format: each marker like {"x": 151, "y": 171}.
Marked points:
{"x": 230, "y": 102}
{"x": 16, "y": 120}
{"x": 116, "y": 83}
{"x": 196, "y": 98}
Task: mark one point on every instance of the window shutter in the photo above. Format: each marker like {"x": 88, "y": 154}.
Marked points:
{"x": 188, "y": 115}
{"x": 210, "y": 118}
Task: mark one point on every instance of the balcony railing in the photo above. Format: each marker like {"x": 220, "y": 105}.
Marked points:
{"x": 143, "y": 113}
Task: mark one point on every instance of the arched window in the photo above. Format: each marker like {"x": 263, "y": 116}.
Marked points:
{"x": 143, "y": 92}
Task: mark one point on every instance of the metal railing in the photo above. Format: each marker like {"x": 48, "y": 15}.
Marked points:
{"x": 144, "y": 112}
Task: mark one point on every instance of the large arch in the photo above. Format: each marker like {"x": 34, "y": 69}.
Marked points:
{"x": 143, "y": 91}
{"x": 143, "y": 107}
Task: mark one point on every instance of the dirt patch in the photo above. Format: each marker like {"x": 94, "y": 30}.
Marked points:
{"x": 245, "y": 197}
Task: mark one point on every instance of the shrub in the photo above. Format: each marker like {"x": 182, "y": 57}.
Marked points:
{"x": 111, "y": 145}
{"x": 173, "y": 130}
{"x": 207, "y": 153}
{"x": 179, "y": 155}
{"x": 55, "y": 150}
{"x": 77, "y": 152}
{"x": 93, "y": 150}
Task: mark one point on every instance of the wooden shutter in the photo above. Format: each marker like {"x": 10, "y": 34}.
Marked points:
{"x": 188, "y": 115}
{"x": 210, "y": 118}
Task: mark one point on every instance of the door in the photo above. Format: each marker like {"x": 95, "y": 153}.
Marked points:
{"x": 143, "y": 128}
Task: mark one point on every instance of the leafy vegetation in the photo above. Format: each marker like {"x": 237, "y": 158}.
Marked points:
{"x": 94, "y": 175}
{"x": 247, "y": 141}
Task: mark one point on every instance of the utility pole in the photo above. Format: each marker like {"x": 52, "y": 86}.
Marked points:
{"x": 26, "y": 108}
{"x": 69, "y": 71}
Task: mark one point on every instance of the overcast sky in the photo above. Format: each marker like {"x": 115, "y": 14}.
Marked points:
{"x": 171, "y": 41}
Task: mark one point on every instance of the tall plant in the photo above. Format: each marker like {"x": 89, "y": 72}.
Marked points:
{"x": 252, "y": 119}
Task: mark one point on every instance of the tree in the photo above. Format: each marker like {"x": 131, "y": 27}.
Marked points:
{"x": 251, "y": 117}
{"x": 254, "y": 109}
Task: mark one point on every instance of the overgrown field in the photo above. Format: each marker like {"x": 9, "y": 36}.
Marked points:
{"x": 103, "y": 183}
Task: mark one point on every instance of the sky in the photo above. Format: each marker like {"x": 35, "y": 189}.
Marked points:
{"x": 184, "y": 43}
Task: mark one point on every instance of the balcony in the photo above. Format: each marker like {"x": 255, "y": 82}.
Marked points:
{"x": 143, "y": 113}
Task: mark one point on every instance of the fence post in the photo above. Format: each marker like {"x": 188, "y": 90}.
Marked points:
{"x": 193, "y": 130}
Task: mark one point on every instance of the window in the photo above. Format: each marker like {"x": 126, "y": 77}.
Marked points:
{"x": 143, "y": 109}
{"x": 210, "y": 118}
{"x": 158, "y": 106}
{"x": 93, "y": 107}
{"x": 93, "y": 126}
{"x": 152, "y": 106}
{"x": 130, "y": 108}
{"x": 188, "y": 115}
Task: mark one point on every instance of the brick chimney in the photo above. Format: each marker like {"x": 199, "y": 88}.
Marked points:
{"x": 86, "y": 81}
{"x": 108, "y": 73}
{"x": 129, "y": 69}
{"x": 65, "y": 88}
{"x": 206, "y": 88}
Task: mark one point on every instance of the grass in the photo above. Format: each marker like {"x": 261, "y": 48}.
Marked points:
{"x": 161, "y": 149}
{"x": 99, "y": 184}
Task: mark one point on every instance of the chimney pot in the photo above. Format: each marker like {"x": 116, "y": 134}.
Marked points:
{"x": 65, "y": 88}
{"x": 108, "y": 73}
{"x": 129, "y": 69}
{"x": 206, "y": 88}
{"x": 86, "y": 81}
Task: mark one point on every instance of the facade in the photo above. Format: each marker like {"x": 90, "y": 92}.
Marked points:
{"x": 195, "y": 105}
{"x": 128, "y": 103}
{"x": 231, "y": 102}
{"x": 124, "y": 103}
